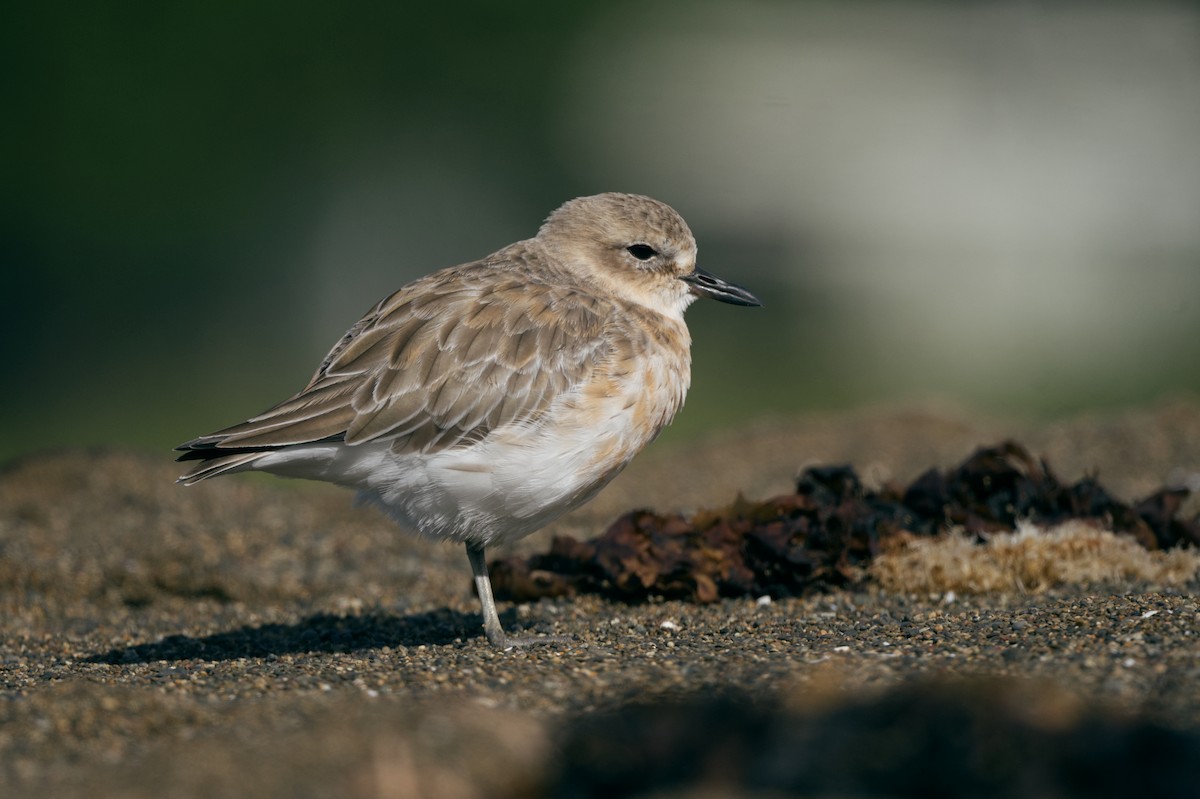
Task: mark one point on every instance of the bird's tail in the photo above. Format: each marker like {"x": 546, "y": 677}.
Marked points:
{"x": 215, "y": 460}
{"x": 217, "y": 466}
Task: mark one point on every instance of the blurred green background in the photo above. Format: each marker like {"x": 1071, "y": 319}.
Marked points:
{"x": 997, "y": 203}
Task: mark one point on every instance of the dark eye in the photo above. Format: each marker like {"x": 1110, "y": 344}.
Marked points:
{"x": 643, "y": 252}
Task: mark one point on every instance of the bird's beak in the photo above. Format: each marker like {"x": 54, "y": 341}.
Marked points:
{"x": 705, "y": 284}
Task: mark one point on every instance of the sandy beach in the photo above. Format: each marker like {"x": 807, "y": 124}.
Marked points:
{"x": 256, "y": 637}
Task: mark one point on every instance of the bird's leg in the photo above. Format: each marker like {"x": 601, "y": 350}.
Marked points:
{"x": 483, "y": 587}
{"x": 491, "y": 619}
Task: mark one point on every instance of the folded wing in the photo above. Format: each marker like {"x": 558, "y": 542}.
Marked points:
{"x": 441, "y": 363}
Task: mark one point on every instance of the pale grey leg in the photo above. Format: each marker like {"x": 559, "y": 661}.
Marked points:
{"x": 483, "y": 586}
{"x": 491, "y": 619}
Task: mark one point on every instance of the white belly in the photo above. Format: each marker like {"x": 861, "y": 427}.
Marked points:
{"x": 522, "y": 476}
{"x": 514, "y": 482}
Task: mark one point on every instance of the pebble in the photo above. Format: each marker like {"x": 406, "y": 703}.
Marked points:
{"x": 273, "y": 641}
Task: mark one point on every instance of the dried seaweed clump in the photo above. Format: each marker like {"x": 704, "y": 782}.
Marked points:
{"x": 829, "y": 532}
{"x": 1032, "y": 559}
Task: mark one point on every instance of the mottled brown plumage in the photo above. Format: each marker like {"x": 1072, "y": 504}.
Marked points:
{"x": 482, "y": 401}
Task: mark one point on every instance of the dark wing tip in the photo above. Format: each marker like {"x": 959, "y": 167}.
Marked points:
{"x": 207, "y": 447}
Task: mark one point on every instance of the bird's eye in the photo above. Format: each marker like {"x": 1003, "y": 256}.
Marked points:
{"x": 643, "y": 252}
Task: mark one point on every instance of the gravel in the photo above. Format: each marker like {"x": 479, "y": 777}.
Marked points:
{"x": 254, "y": 637}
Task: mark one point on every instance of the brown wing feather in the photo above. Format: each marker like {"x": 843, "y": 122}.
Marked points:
{"x": 443, "y": 361}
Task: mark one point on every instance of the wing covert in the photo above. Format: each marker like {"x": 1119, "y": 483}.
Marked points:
{"x": 434, "y": 366}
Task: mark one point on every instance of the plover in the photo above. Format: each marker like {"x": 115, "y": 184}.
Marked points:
{"x": 481, "y": 402}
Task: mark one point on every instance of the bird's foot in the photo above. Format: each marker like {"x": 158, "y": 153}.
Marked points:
{"x": 504, "y": 643}
{"x": 491, "y": 619}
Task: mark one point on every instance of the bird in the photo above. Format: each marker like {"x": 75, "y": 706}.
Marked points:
{"x": 479, "y": 403}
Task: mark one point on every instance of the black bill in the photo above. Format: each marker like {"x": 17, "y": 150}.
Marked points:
{"x": 706, "y": 284}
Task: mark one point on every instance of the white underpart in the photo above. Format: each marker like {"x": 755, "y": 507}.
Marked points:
{"x": 517, "y": 480}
